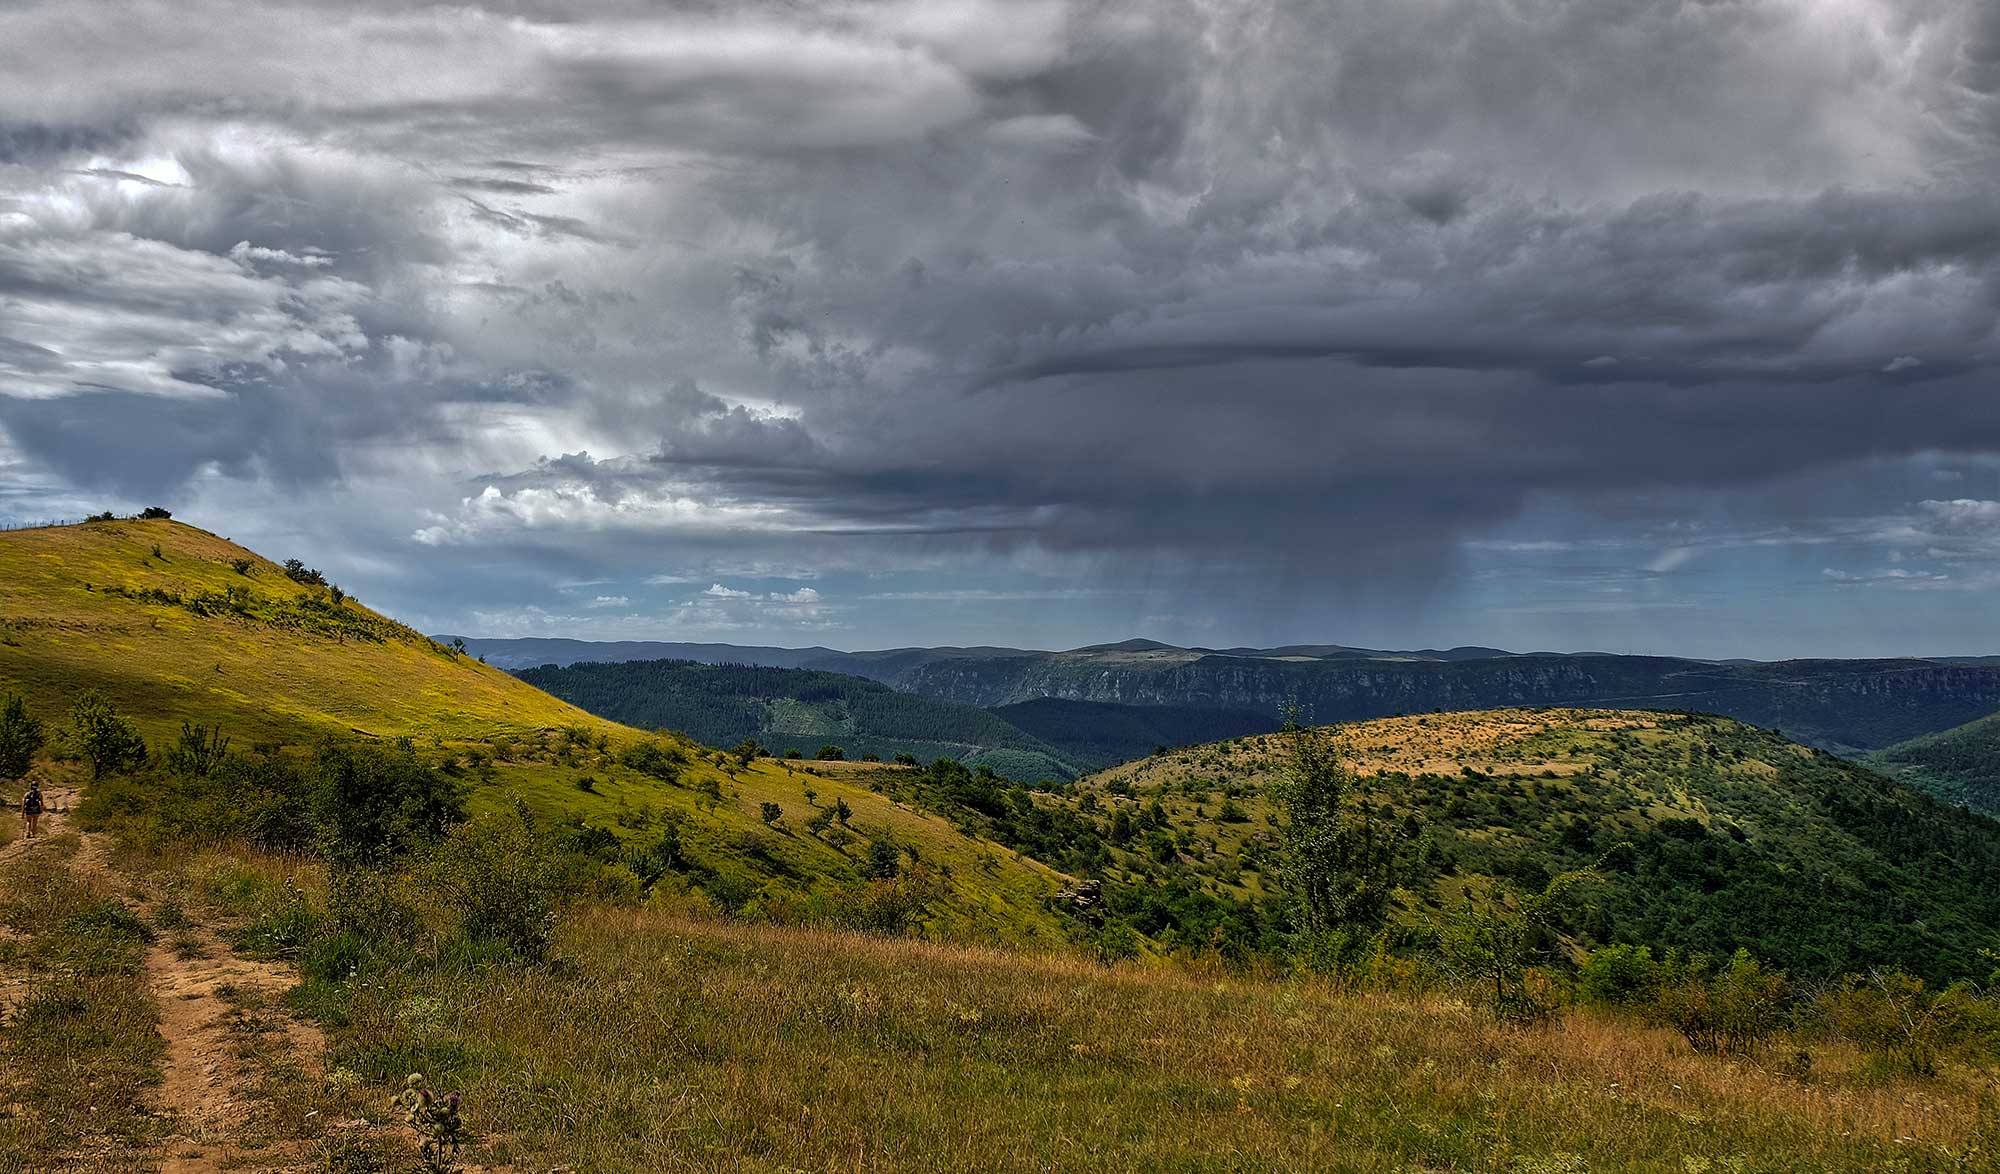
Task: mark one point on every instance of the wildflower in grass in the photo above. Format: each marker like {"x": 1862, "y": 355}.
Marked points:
{"x": 435, "y": 1121}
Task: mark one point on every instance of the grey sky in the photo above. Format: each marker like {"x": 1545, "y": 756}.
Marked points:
{"x": 1625, "y": 324}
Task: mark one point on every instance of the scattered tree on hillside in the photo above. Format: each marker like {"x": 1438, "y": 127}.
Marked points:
{"x": 298, "y": 572}
{"x": 372, "y": 805}
{"x": 198, "y": 752}
{"x": 1339, "y": 862}
{"x": 770, "y": 812}
{"x": 831, "y": 753}
{"x": 1494, "y": 943}
{"x": 651, "y": 758}
{"x": 102, "y": 738}
{"x": 884, "y": 858}
{"x": 153, "y": 513}
{"x": 20, "y": 737}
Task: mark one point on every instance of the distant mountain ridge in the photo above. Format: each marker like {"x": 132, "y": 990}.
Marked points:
{"x": 806, "y": 709}
{"x": 1848, "y": 706}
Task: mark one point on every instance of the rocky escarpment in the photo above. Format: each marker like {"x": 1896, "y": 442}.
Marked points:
{"x": 1841, "y": 705}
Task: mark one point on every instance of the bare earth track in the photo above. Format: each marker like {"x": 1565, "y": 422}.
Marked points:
{"x": 196, "y": 984}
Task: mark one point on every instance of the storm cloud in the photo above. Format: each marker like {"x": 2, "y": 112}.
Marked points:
{"x": 1220, "y": 320}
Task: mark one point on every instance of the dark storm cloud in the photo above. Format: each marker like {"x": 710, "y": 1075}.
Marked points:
{"x": 1085, "y": 281}
{"x": 503, "y": 187}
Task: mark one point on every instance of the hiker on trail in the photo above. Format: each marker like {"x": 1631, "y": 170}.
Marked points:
{"x": 31, "y": 808}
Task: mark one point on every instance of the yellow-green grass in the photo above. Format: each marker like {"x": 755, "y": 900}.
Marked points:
{"x": 667, "y": 1042}
{"x": 991, "y": 893}
{"x": 61, "y": 633}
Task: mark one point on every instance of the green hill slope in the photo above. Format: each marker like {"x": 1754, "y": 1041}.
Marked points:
{"x": 785, "y": 708}
{"x": 175, "y": 624}
{"x": 1709, "y": 834}
{"x": 1960, "y": 765}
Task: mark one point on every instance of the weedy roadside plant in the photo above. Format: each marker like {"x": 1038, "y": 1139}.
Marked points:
{"x": 435, "y": 1121}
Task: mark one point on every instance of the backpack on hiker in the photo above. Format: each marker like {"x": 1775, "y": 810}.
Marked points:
{"x": 31, "y": 803}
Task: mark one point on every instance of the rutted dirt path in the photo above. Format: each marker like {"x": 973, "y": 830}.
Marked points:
{"x": 194, "y": 979}
{"x": 198, "y": 985}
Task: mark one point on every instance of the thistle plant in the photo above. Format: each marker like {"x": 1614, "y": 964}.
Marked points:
{"x": 435, "y": 1121}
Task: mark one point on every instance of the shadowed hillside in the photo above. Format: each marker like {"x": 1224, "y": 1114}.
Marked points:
{"x": 1959, "y": 766}
{"x": 801, "y": 710}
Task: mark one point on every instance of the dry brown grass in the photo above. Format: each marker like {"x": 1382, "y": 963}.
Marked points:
{"x": 669, "y": 1042}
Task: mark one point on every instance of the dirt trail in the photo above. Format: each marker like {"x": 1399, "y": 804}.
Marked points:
{"x": 208, "y": 1083}
{"x": 207, "y": 1086}
{"x": 55, "y": 814}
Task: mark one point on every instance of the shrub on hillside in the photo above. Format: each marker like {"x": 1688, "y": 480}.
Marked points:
{"x": 198, "y": 751}
{"x": 1894, "y": 1016}
{"x": 371, "y": 804}
{"x": 884, "y": 857}
{"x": 654, "y": 760}
{"x": 1619, "y": 976}
{"x": 102, "y": 737}
{"x": 1495, "y": 944}
{"x": 1735, "y": 1010}
{"x": 659, "y": 858}
{"x": 893, "y": 906}
{"x": 500, "y": 883}
{"x": 20, "y": 737}
{"x": 298, "y": 572}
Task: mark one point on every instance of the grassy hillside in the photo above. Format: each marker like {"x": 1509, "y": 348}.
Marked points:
{"x": 176, "y": 625}
{"x": 784, "y": 708}
{"x": 804, "y": 1050}
{"x": 1958, "y": 766}
{"x": 1709, "y": 835}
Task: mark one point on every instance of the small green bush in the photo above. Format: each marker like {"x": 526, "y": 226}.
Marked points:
{"x": 654, "y": 760}
{"x": 1734, "y": 1011}
{"x": 1619, "y": 976}
{"x": 500, "y": 883}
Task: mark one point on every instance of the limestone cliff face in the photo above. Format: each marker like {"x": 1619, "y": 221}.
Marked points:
{"x": 1843, "y": 705}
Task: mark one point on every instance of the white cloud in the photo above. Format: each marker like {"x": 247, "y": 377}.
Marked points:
{"x": 718, "y": 591}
